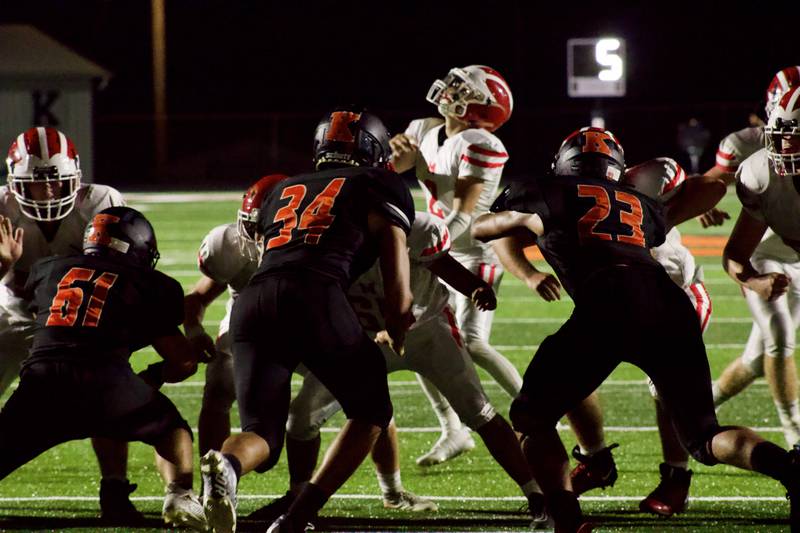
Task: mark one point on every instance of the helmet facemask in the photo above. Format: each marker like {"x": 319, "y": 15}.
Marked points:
{"x": 454, "y": 93}
{"x": 246, "y": 230}
{"x": 785, "y": 160}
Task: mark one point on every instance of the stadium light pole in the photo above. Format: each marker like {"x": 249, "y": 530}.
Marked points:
{"x": 159, "y": 81}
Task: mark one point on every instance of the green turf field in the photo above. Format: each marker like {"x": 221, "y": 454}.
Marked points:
{"x": 58, "y": 491}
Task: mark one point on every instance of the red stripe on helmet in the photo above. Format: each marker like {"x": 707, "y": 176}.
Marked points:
{"x": 53, "y": 141}
{"x": 32, "y": 144}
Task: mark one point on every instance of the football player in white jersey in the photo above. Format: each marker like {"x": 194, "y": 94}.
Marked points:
{"x": 227, "y": 259}
{"x": 766, "y": 186}
{"x": 459, "y": 161}
{"x": 434, "y": 349}
{"x": 770, "y": 255}
{"x": 44, "y": 197}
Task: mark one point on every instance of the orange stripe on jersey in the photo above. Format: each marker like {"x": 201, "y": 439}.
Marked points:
{"x": 484, "y": 151}
{"x": 479, "y": 163}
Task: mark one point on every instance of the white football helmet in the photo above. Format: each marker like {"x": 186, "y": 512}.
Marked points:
{"x": 782, "y": 134}
{"x": 476, "y": 94}
{"x": 44, "y": 173}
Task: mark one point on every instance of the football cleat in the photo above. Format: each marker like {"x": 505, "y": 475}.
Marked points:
{"x": 596, "y": 471}
{"x": 448, "y": 446}
{"x": 284, "y": 524}
{"x": 115, "y": 506}
{"x": 671, "y": 496}
{"x": 541, "y": 519}
{"x": 219, "y": 492}
{"x": 274, "y": 509}
{"x": 408, "y": 501}
{"x": 182, "y": 508}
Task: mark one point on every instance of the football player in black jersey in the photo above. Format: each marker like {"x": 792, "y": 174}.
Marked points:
{"x": 318, "y": 232}
{"x": 596, "y": 234}
{"x": 92, "y": 311}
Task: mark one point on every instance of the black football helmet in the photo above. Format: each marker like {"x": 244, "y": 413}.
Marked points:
{"x": 351, "y": 136}
{"x": 122, "y": 231}
{"x": 592, "y": 153}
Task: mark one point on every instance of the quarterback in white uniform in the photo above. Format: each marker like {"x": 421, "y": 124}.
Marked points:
{"x": 434, "y": 348}
{"x": 459, "y": 162}
{"x": 766, "y": 186}
{"x": 46, "y": 200}
{"x": 778, "y": 317}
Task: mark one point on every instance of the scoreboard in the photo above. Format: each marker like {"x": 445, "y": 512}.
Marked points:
{"x": 596, "y": 67}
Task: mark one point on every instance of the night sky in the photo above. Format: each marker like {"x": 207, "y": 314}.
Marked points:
{"x": 235, "y": 66}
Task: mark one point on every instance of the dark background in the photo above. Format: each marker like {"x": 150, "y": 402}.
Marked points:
{"x": 247, "y": 81}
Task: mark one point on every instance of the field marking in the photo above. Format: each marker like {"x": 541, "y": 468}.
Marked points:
{"x": 20, "y": 499}
{"x": 558, "y": 320}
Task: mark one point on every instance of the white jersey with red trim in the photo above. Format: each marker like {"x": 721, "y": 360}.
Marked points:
{"x": 68, "y": 239}
{"x": 474, "y": 153}
{"x": 774, "y": 200}
{"x": 428, "y": 241}
{"x": 666, "y": 176}
{"x": 737, "y": 147}
{"x": 221, "y": 258}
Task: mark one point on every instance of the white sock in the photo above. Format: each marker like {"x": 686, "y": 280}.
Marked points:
{"x": 719, "y": 396}
{"x": 592, "y": 450}
{"x": 789, "y": 414}
{"x": 448, "y": 419}
{"x": 390, "y": 483}
{"x": 530, "y": 487}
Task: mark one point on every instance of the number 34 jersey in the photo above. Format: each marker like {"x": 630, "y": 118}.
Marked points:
{"x": 589, "y": 224}
{"x": 99, "y": 307}
{"x": 318, "y": 221}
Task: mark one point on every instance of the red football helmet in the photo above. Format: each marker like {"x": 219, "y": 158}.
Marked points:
{"x": 782, "y": 134}
{"x": 782, "y": 81}
{"x": 590, "y": 152}
{"x": 251, "y": 205}
{"x": 44, "y": 173}
{"x": 476, "y": 94}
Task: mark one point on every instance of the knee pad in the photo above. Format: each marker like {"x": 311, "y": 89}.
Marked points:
{"x": 527, "y": 419}
{"x": 378, "y": 415}
{"x": 275, "y": 443}
{"x": 700, "y": 449}
{"x": 301, "y": 427}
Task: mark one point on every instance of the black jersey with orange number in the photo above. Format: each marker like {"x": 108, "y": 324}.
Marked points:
{"x": 589, "y": 224}
{"x": 319, "y": 221}
{"x": 96, "y": 306}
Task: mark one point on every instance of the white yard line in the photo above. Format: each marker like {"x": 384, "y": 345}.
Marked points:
{"x": 432, "y": 497}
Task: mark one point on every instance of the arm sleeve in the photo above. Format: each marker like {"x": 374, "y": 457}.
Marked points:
{"x": 429, "y": 239}
{"x": 390, "y": 196}
{"x": 728, "y": 157}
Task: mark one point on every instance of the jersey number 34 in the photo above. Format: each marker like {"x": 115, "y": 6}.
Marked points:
{"x": 314, "y": 220}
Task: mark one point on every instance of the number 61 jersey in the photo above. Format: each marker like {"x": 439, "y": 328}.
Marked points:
{"x": 589, "y": 224}
{"x": 99, "y": 307}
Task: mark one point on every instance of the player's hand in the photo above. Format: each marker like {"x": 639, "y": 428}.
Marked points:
{"x": 484, "y": 298}
{"x": 10, "y": 243}
{"x": 202, "y": 346}
{"x": 404, "y": 152}
{"x": 713, "y": 217}
{"x": 396, "y": 328}
{"x": 546, "y": 285}
{"x": 769, "y": 286}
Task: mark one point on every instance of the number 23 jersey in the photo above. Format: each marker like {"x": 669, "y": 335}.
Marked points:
{"x": 589, "y": 224}
{"x": 95, "y": 306}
